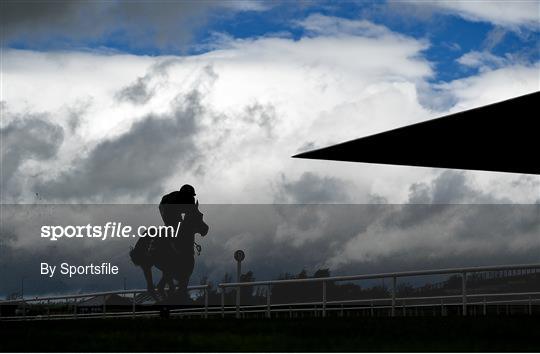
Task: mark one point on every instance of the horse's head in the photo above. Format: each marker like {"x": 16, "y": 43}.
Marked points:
{"x": 194, "y": 220}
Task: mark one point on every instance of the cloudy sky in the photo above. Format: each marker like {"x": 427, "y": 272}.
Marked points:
{"x": 122, "y": 102}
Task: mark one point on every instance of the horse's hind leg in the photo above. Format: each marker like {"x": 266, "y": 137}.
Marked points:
{"x": 183, "y": 279}
{"x": 161, "y": 285}
{"x": 166, "y": 279}
{"x": 172, "y": 285}
{"x": 147, "y": 270}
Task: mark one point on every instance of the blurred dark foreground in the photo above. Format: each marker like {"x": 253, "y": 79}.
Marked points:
{"x": 418, "y": 334}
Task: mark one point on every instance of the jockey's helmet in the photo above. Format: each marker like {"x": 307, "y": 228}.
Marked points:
{"x": 187, "y": 190}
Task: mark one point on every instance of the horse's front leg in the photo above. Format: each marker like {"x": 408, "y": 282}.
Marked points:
{"x": 161, "y": 285}
{"x": 172, "y": 285}
{"x": 147, "y": 270}
{"x": 166, "y": 279}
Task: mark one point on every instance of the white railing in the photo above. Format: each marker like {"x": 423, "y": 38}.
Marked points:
{"x": 317, "y": 307}
{"x": 394, "y": 276}
{"x": 49, "y": 300}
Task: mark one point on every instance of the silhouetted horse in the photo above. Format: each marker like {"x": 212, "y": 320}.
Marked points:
{"x": 174, "y": 256}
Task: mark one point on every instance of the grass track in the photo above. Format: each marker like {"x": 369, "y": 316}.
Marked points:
{"x": 498, "y": 334}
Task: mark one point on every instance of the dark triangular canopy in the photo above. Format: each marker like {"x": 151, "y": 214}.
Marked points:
{"x": 502, "y": 137}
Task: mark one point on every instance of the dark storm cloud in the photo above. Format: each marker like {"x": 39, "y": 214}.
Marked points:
{"x": 312, "y": 188}
{"x": 141, "y": 90}
{"x": 435, "y": 99}
{"x": 308, "y": 146}
{"x": 27, "y": 137}
{"x": 32, "y": 17}
{"x": 134, "y": 163}
{"x": 447, "y": 188}
{"x": 450, "y": 187}
{"x": 528, "y": 181}
{"x": 447, "y": 193}
{"x": 263, "y": 116}
{"x": 162, "y": 24}
{"x": 76, "y": 113}
{"x": 138, "y": 92}
{"x": 445, "y": 223}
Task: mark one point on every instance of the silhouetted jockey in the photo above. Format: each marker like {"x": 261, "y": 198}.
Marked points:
{"x": 174, "y": 256}
{"x": 171, "y": 208}
{"x": 174, "y": 204}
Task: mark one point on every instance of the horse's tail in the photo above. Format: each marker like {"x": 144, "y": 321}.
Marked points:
{"x": 139, "y": 254}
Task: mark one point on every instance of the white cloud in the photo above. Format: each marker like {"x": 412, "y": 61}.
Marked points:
{"x": 494, "y": 85}
{"x": 511, "y": 14}
{"x": 482, "y": 60}
{"x": 318, "y": 24}
{"x": 494, "y": 37}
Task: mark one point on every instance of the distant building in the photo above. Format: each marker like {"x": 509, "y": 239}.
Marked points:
{"x": 112, "y": 302}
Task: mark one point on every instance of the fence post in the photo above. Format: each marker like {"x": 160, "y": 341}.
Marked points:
{"x": 372, "y": 310}
{"x": 104, "y": 305}
{"x": 485, "y": 307}
{"x": 206, "y": 301}
{"x": 75, "y": 307}
{"x": 464, "y": 292}
{"x": 442, "y": 307}
{"x": 530, "y": 306}
{"x": 268, "y": 309}
{"x": 237, "y": 302}
{"x": 403, "y": 307}
{"x": 222, "y": 302}
{"x": 49, "y": 309}
{"x": 324, "y": 298}
{"x": 394, "y": 282}
{"x": 133, "y": 304}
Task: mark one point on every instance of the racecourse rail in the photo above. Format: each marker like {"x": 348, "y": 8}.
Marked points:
{"x": 393, "y": 303}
